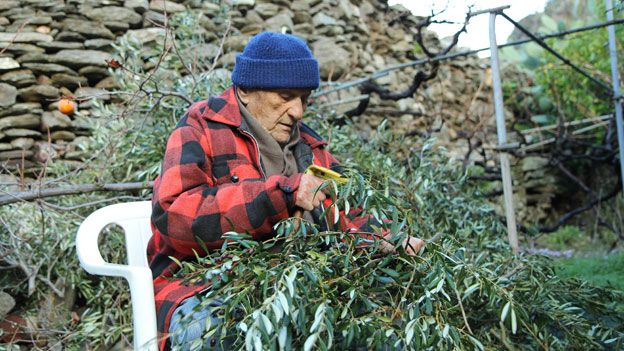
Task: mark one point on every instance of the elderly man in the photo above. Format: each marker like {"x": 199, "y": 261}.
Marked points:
{"x": 238, "y": 159}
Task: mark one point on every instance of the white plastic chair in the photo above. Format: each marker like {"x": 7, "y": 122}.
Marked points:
{"x": 134, "y": 218}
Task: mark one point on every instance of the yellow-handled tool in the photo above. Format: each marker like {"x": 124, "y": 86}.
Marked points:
{"x": 323, "y": 173}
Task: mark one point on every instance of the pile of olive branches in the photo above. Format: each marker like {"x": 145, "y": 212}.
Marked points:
{"x": 305, "y": 289}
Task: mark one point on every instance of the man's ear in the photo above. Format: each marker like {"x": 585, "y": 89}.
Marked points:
{"x": 243, "y": 95}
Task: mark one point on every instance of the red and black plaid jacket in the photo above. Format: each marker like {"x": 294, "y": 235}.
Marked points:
{"x": 211, "y": 177}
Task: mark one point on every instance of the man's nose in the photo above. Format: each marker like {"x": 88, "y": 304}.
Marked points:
{"x": 296, "y": 109}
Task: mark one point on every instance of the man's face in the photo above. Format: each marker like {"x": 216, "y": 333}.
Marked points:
{"x": 278, "y": 111}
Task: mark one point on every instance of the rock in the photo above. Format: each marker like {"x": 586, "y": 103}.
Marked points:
{"x": 206, "y": 51}
{"x": 169, "y": 6}
{"x": 90, "y": 93}
{"x": 116, "y": 26}
{"x": 227, "y": 61}
{"x": 346, "y": 10}
{"x": 98, "y": 44}
{"x": 39, "y": 92}
{"x": 34, "y": 57}
{"x": 67, "y": 80}
{"x": 44, "y": 80}
{"x": 93, "y": 73}
{"x": 22, "y": 143}
{"x": 253, "y": 17}
{"x": 48, "y": 68}
{"x": 153, "y": 16}
{"x": 87, "y": 28}
{"x": 9, "y": 4}
{"x": 70, "y": 36}
{"x": 249, "y": 3}
{"x": 7, "y": 64}
{"x": 54, "y": 120}
{"x": 210, "y": 9}
{"x": 19, "y": 78}
{"x": 54, "y": 46}
{"x": 139, "y": 6}
{"x": 8, "y": 95}
{"x": 45, "y": 151}
{"x": 21, "y": 133}
{"x": 266, "y": 10}
{"x": 280, "y": 23}
{"x": 302, "y": 17}
{"x": 147, "y": 35}
{"x": 21, "y": 108}
{"x": 20, "y": 48}
{"x": 303, "y": 28}
{"x": 25, "y": 37}
{"x": 321, "y": 19}
{"x": 114, "y": 13}
{"x": 236, "y": 42}
{"x": 16, "y": 154}
{"x": 300, "y": 5}
{"x": 332, "y": 58}
{"x": 62, "y": 135}
{"x": 80, "y": 58}
{"x": 7, "y": 302}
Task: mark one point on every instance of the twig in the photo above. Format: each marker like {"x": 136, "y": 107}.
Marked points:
{"x": 76, "y": 189}
{"x": 461, "y": 306}
{"x": 14, "y": 37}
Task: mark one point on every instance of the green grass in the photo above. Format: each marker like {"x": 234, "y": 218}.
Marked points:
{"x": 597, "y": 269}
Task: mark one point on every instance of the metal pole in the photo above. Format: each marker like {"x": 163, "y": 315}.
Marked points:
{"x": 502, "y": 138}
{"x": 617, "y": 98}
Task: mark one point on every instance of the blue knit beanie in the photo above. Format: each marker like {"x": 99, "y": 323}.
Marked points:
{"x": 276, "y": 61}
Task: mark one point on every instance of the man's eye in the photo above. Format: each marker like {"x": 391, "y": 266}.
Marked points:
{"x": 286, "y": 97}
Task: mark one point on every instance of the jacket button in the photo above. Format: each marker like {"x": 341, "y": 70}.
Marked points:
{"x": 234, "y": 179}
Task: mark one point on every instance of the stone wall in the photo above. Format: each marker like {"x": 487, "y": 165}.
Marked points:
{"x": 58, "y": 48}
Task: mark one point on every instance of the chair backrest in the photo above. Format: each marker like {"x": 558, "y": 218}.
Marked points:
{"x": 134, "y": 218}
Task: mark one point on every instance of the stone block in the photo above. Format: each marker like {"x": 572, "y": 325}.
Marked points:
{"x": 21, "y": 108}
{"x": 116, "y": 26}
{"x": 27, "y": 120}
{"x": 169, "y": 6}
{"x": 48, "y": 68}
{"x": 88, "y": 29}
{"x": 8, "y": 95}
{"x": 114, "y": 13}
{"x": 23, "y": 143}
{"x": 19, "y": 78}
{"x": 8, "y": 64}
{"x": 21, "y": 133}
{"x": 25, "y": 37}
{"x": 62, "y": 135}
{"x": 54, "y": 120}
{"x": 139, "y": 6}
{"x": 38, "y": 92}
{"x": 266, "y": 10}
{"x": 81, "y": 58}
{"x": 36, "y": 57}
{"x": 68, "y": 81}
{"x": 98, "y": 44}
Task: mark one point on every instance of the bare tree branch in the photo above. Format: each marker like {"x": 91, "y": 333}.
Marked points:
{"x": 76, "y": 189}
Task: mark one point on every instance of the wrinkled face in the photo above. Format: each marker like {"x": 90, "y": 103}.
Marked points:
{"x": 278, "y": 111}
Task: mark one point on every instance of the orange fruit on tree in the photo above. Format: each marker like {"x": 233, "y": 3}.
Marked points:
{"x": 66, "y": 105}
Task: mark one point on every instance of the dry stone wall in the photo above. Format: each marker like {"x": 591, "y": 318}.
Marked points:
{"x": 55, "y": 48}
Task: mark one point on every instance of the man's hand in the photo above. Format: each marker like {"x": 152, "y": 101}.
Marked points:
{"x": 308, "y": 197}
{"x": 411, "y": 245}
